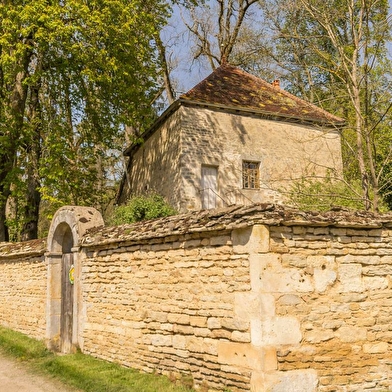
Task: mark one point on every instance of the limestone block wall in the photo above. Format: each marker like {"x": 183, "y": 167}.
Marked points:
{"x": 188, "y": 138}
{"x": 154, "y": 166}
{"x": 246, "y": 300}
{"x": 173, "y": 305}
{"x": 259, "y": 298}
{"x": 23, "y": 275}
{"x": 224, "y": 140}
{"x": 330, "y": 289}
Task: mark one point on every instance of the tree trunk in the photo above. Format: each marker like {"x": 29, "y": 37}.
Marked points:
{"x": 4, "y": 235}
{"x": 33, "y": 152}
{"x": 14, "y": 118}
{"x": 31, "y": 211}
{"x": 166, "y": 72}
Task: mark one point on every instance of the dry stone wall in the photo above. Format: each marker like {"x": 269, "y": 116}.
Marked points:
{"x": 276, "y": 300}
{"x": 23, "y": 274}
{"x": 259, "y": 298}
{"x": 336, "y": 283}
{"x": 168, "y": 306}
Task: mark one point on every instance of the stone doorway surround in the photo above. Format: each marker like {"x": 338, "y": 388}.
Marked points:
{"x": 68, "y": 225}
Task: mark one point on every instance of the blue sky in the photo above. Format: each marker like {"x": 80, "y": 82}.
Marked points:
{"x": 188, "y": 72}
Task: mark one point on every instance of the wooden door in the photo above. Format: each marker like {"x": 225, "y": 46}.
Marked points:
{"x": 209, "y": 176}
{"x": 67, "y": 289}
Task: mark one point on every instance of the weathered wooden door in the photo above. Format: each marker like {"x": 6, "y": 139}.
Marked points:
{"x": 67, "y": 289}
{"x": 209, "y": 176}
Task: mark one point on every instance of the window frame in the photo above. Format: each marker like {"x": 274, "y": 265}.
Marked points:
{"x": 250, "y": 175}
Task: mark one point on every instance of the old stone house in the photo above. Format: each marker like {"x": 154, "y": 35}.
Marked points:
{"x": 232, "y": 139}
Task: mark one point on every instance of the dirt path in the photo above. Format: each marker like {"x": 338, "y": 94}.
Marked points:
{"x": 16, "y": 377}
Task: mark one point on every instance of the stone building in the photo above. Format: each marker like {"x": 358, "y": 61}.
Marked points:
{"x": 232, "y": 139}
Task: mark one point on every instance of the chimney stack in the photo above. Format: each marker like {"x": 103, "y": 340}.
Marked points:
{"x": 276, "y": 83}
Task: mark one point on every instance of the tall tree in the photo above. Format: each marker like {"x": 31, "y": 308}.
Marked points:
{"x": 335, "y": 53}
{"x": 73, "y": 74}
{"x": 215, "y": 27}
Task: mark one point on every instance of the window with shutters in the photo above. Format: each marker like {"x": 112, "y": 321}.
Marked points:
{"x": 250, "y": 175}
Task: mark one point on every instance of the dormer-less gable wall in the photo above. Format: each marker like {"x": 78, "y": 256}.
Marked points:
{"x": 285, "y": 152}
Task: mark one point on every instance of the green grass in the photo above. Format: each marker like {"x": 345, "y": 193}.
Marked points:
{"x": 82, "y": 371}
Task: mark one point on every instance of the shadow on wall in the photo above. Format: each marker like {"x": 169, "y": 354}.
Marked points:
{"x": 154, "y": 166}
{"x": 170, "y": 161}
{"x": 285, "y": 152}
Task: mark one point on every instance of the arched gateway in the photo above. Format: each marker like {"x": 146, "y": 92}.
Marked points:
{"x": 69, "y": 224}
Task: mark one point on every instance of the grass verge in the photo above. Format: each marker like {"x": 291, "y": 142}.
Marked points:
{"x": 82, "y": 371}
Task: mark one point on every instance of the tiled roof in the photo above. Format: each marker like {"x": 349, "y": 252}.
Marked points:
{"x": 232, "y": 87}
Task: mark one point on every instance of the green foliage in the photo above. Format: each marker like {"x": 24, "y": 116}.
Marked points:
{"x": 323, "y": 195}
{"x": 82, "y": 371}
{"x": 140, "y": 208}
{"x": 73, "y": 74}
{"x": 93, "y": 375}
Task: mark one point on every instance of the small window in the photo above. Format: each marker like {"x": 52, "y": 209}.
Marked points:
{"x": 250, "y": 175}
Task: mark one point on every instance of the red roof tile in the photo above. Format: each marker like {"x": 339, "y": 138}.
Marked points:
{"x": 232, "y": 87}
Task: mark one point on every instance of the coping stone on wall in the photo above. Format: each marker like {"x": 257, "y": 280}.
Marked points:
{"x": 19, "y": 249}
{"x": 230, "y": 218}
{"x": 77, "y": 219}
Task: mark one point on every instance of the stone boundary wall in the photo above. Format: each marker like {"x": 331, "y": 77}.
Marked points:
{"x": 23, "y": 287}
{"x": 260, "y": 298}
{"x": 172, "y": 305}
{"x": 333, "y": 284}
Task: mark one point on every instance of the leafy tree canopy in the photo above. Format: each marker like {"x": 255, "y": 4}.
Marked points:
{"x": 73, "y": 75}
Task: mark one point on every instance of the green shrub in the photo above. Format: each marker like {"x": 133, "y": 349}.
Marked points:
{"x": 140, "y": 208}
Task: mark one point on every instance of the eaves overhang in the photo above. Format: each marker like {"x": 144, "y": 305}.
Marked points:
{"x": 277, "y": 116}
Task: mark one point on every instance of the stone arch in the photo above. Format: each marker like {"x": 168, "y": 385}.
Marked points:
{"x": 71, "y": 221}
{"x": 68, "y": 226}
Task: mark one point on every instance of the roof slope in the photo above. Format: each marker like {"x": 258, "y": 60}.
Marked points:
{"x": 231, "y": 87}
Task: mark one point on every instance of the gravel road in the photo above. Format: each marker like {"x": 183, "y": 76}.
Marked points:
{"x": 16, "y": 377}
